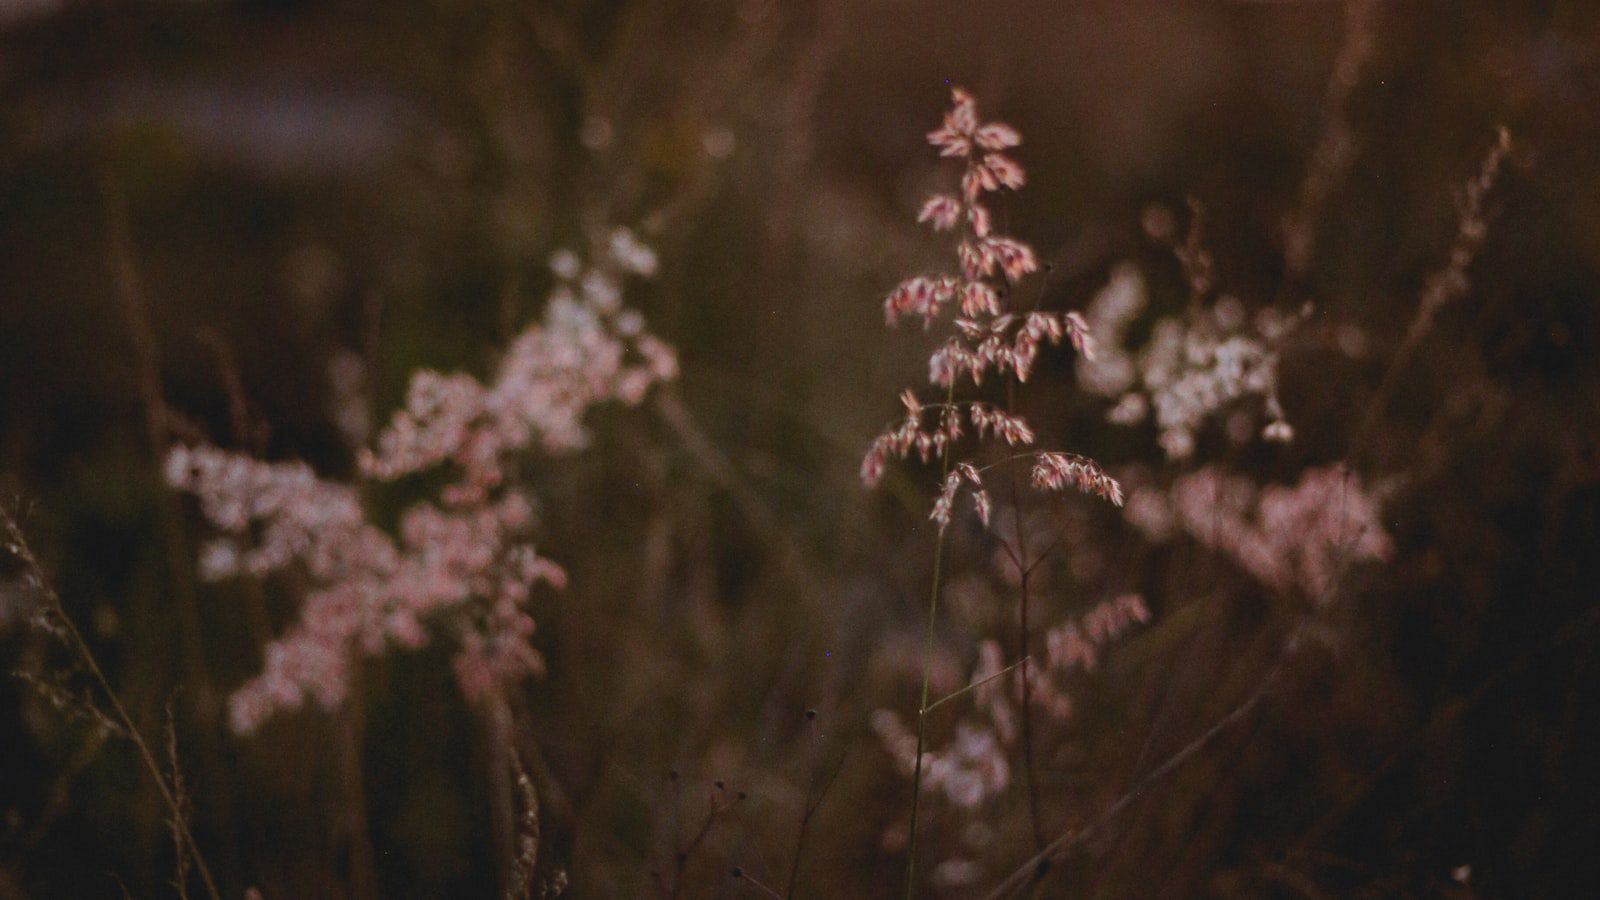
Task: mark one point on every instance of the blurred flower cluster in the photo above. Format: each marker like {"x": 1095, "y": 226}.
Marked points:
{"x": 464, "y": 561}
{"x": 1291, "y": 539}
{"x": 1190, "y": 368}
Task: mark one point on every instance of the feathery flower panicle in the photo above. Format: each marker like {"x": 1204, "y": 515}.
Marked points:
{"x": 1451, "y": 283}
{"x": 369, "y": 590}
{"x": 1059, "y": 471}
{"x": 987, "y": 337}
{"x": 464, "y": 561}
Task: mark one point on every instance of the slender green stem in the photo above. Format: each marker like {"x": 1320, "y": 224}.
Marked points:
{"x": 1025, "y": 639}
{"x": 922, "y": 721}
{"x": 975, "y": 685}
{"x": 927, "y": 668}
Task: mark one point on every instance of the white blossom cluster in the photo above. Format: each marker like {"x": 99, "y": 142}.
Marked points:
{"x": 1191, "y": 367}
{"x": 464, "y": 560}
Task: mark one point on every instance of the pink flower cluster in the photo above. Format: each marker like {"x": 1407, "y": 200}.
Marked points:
{"x": 369, "y": 590}
{"x": 464, "y": 562}
{"x": 1298, "y": 538}
{"x": 1071, "y": 647}
{"x": 1054, "y": 471}
{"x": 987, "y": 335}
{"x": 913, "y": 436}
{"x": 973, "y": 767}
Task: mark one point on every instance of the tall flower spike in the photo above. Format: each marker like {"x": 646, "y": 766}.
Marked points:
{"x": 988, "y": 338}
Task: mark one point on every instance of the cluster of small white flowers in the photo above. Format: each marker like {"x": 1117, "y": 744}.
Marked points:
{"x": 588, "y": 349}
{"x": 466, "y": 554}
{"x": 987, "y": 335}
{"x": 1289, "y": 538}
{"x": 301, "y": 517}
{"x": 971, "y": 770}
{"x": 1113, "y": 370}
{"x": 956, "y": 872}
{"x": 1191, "y": 368}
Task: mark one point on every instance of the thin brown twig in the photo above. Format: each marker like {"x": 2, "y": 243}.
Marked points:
{"x": 181, "y": 863}
{"x": 741, "y": 875}
{"x": 682, "y": 855}
{"x": 248, "y": 431}
{"x": 18, "y": 546}
{"x": 350, "y": 724}
{"x": 927, "y": 667}
{"x": 1025, "y": 641}
{"x": 528, "y": 834}
{"x": 811, "y": 808}
{"x": 129, "y": 289}
{"x": 794, "y": 562}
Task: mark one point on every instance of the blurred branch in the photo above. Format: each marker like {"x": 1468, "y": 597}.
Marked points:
{"x": 792, "y": 559}
{"x": 130, "y": 292}
{"x": 1335, "y": 149}
{"x": 1448, "y": 284}
{"x": 1056, "y": 850}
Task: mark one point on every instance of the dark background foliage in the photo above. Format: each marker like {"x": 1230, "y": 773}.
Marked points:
{"x": 199, "y": 193}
